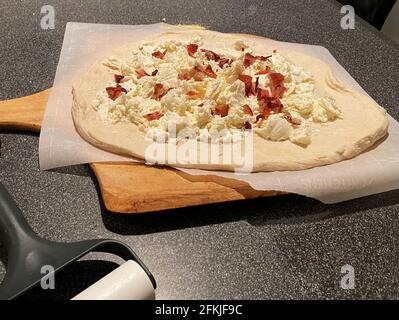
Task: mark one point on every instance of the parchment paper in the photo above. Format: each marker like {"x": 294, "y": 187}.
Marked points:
{"x": 372, "y": 172}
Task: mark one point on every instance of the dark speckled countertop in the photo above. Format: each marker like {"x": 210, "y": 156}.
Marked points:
{"x": 283, "y": 247}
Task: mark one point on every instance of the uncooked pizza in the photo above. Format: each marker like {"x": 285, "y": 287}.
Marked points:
{"x": 202, "y": 91}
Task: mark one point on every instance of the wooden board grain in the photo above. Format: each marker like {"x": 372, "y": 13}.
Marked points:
{"x": 131, "y": 187}
{"x": 137, "y": 188}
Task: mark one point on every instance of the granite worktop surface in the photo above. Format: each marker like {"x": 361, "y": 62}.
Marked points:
{"x": 280, "y": 247}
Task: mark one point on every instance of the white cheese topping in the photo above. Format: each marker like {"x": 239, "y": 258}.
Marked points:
{"x": 200, "y": 93}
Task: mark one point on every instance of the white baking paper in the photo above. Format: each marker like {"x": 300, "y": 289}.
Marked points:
{"x": 374, "y": 171}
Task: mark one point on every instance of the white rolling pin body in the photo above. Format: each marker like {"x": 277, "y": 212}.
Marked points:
{"x": 127, "y": 282}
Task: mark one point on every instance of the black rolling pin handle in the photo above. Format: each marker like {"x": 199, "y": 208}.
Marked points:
{"x": 13, "y": 226}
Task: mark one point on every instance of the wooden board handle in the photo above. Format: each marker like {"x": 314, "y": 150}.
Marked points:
{"x": 25, "y": 113}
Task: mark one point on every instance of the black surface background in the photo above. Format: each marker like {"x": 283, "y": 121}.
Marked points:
{"x": 285, "y": 247}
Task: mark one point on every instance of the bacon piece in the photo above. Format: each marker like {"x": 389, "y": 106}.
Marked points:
{"x": 262, "y": 72}
{"x": 115, "y": 92}
{"x": 158, "y": 54}
{"x": 224, "y": 61}
{"x": 278, "y": 91}
{"x": 141, "y": 73}
{"x": 277, "y": 86}
{"x": 192, "y": 93}
{"x": 222, "y": 110}
{"x": 247, "y": 126}
{"x": 159, "y": 91}
{"x": 184, "y": 76}
{"x": 191, "y": 49}
{"x": 263, "y": 107}
{"x": 276, "y": 78}
{"x": 262, "y": 94}
{"x": 247, "y": 110}
{"x": 268, "y": 104}
{"x": 210, "y": 55}
{"x": 276, "y": 106}
{"x": 118, "y": 78}
{"x": 262, "y": 58}
{"x": 154, "y": 73}
{"x": 200, "y": 105}
{"x": 154, "y": 116}
{"x": 249, "y": 89}
{"x": 290, "y": 119}
{"x": 249, "y": 59}
{"x": 198, "y": 73}
{"x": 209, "y": 72}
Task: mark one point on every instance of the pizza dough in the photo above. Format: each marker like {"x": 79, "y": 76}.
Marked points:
{"x": 360, "y": 125}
